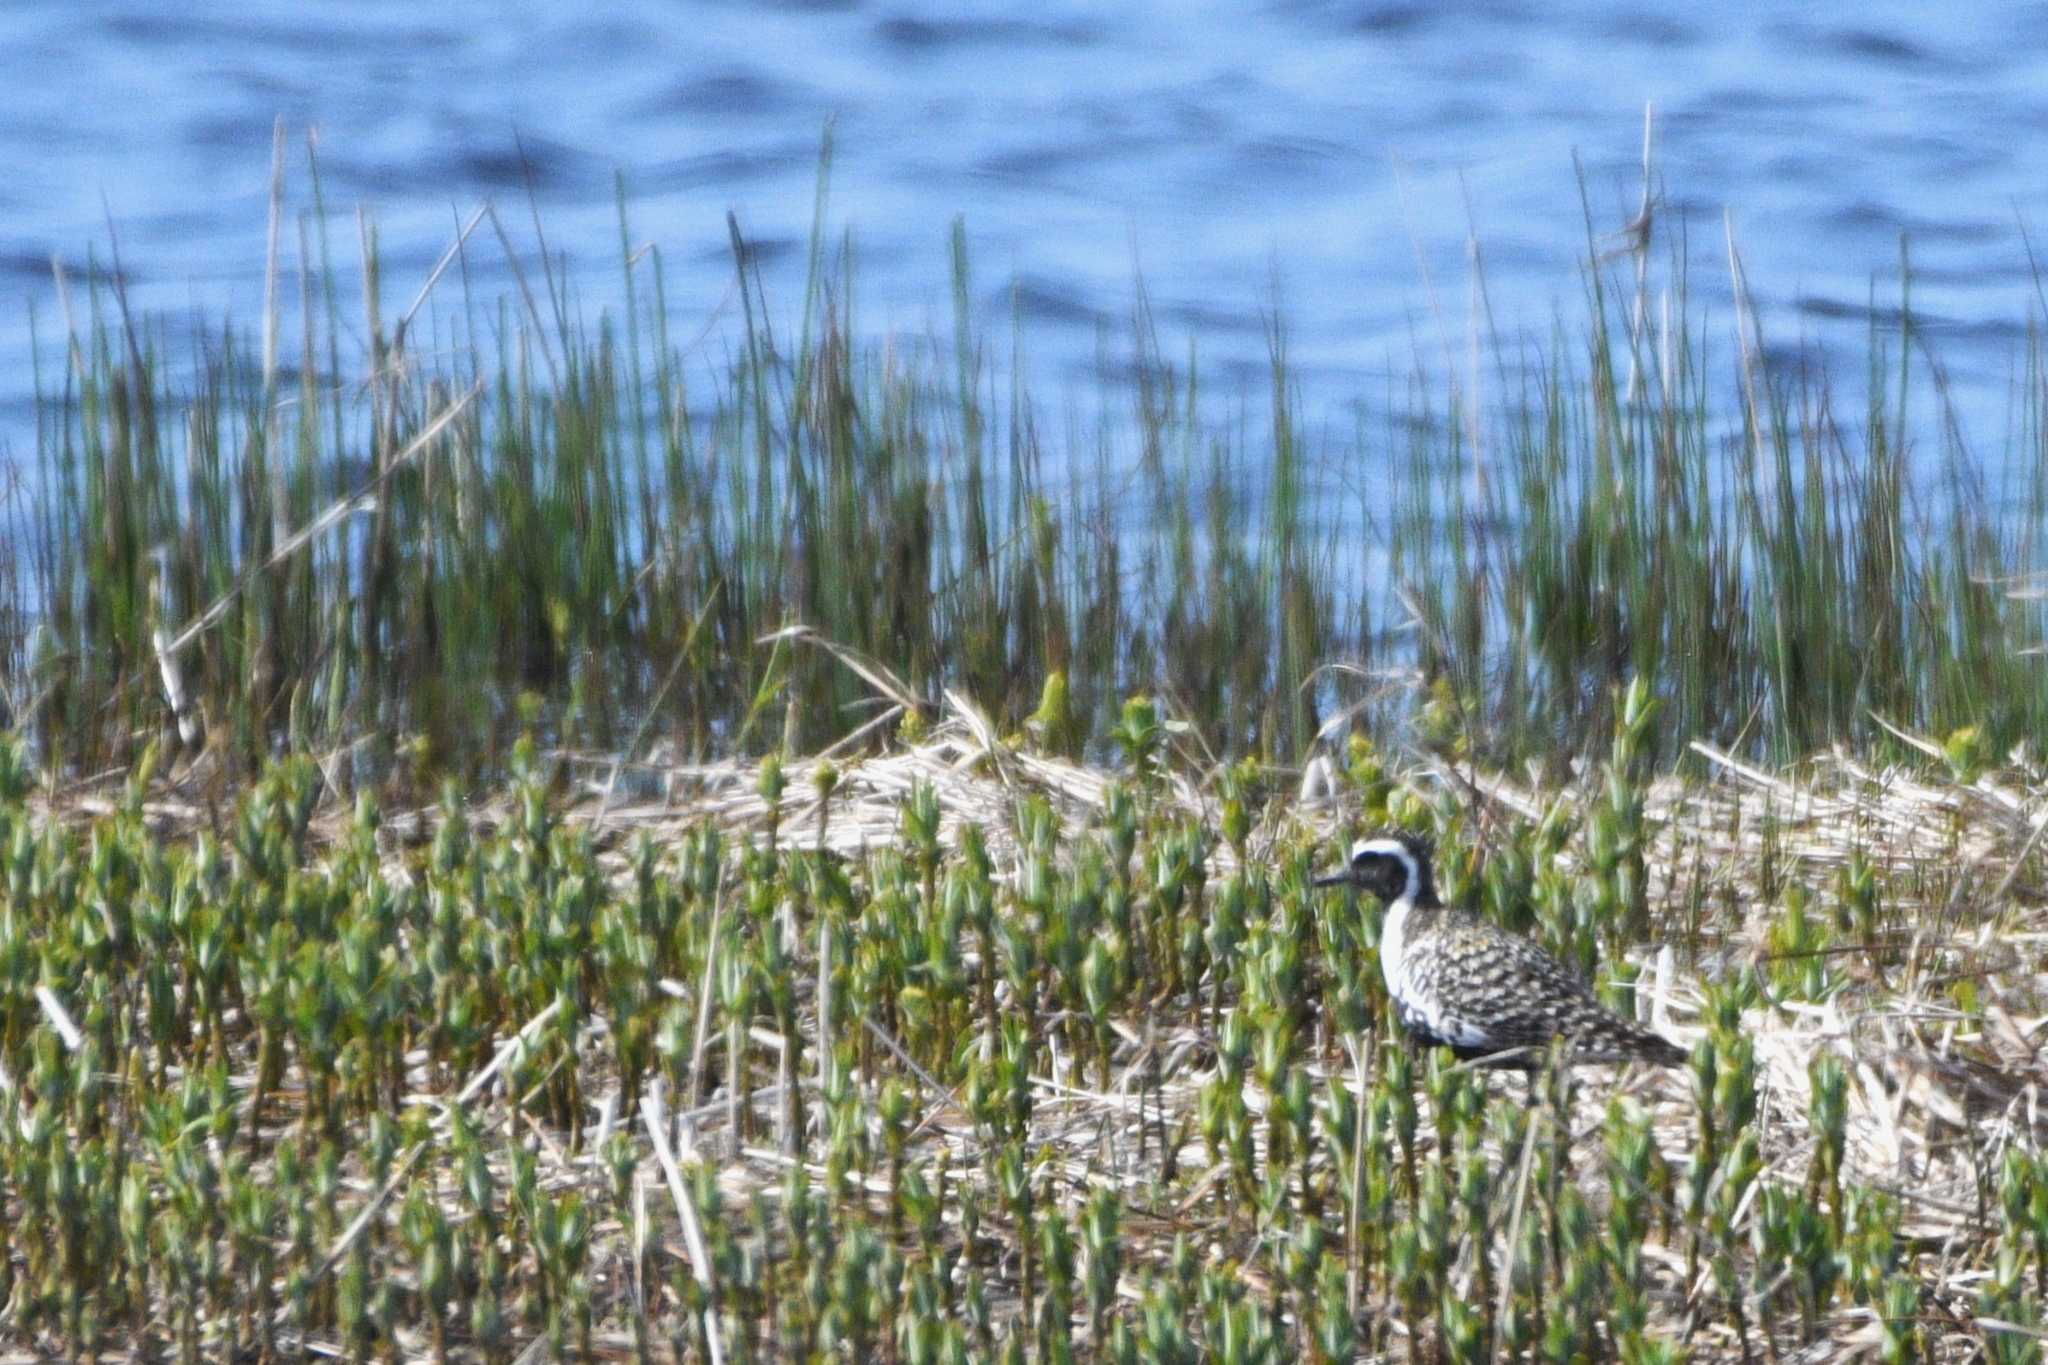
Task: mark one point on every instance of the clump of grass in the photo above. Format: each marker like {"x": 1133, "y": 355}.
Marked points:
{"x": 513, "y": 507}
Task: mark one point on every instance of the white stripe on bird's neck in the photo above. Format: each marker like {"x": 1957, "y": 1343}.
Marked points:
{"x": 1394, "y": 941}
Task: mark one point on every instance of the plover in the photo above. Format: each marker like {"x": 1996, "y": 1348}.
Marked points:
{"x": 1459, "y": 982}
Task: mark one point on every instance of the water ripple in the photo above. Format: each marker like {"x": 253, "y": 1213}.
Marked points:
{"x": 1336, "y": 145}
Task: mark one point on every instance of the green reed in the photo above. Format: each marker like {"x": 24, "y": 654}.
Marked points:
{"x": 612, "y": 520}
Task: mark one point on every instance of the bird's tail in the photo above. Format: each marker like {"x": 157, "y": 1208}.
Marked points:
{"x": 1603, "y": 1037}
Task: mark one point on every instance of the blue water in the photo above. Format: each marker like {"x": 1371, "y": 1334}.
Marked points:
{"x": 1330, "y": 159}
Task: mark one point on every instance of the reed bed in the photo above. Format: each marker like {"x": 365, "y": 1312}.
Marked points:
{"x": 956, "y": 1048}
{"x": 416, "y": 529}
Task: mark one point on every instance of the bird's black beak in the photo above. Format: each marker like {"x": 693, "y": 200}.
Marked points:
{"x": 1333, "y": 879}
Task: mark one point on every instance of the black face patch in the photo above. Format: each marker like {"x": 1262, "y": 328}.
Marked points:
{"x": 1380, "y": 873}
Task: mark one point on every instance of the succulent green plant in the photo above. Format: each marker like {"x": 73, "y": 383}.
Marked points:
{"x": 1102, "y": 1080}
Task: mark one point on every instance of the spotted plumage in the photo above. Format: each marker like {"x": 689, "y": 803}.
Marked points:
{"x": 1460, "y": 982}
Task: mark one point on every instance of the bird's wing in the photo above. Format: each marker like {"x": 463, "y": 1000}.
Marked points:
{"x": 1479, "y": 986}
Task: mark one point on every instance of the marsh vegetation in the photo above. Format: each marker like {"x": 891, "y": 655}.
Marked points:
{"x": 519, "y": 839}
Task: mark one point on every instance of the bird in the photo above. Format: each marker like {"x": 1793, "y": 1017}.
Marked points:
{"x": 1460, "y": 982}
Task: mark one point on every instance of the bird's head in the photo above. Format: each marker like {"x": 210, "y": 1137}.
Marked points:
{"x": 1389, "y": 866}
